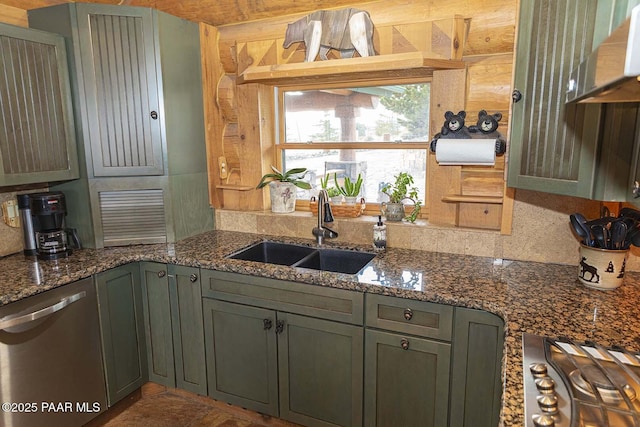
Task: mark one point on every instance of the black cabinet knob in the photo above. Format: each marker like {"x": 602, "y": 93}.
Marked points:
{"x": 154, "y": 115}
{"x": 516, "y": 95}
{"x": 408, "y": 313}
{"x": 267, "y": 323}
{"x": 279, "y": 326}
{"x": 193, "y": 278}
{"x": 162, "y": 273}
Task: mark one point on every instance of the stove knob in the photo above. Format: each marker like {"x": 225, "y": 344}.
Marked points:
{"x": 545, "y": 385}
{"x": 543, "y": 421}
{"x": 548, "y": 403}
{"x": 538, "y": 369}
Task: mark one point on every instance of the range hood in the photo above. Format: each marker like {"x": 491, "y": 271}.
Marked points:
{"x": 611, "y": 73}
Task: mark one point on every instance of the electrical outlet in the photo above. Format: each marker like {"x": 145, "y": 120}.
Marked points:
{"x": 222, "y": 165}
{"x": 10, "y": 213}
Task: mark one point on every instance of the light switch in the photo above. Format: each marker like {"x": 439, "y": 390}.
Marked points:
{"x": 222, "y": 165}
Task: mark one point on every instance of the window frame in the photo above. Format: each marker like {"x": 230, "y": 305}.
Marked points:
{"x": 372, "y": 208}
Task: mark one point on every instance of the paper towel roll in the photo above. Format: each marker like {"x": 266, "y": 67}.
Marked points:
{"x": 480, "y": 152}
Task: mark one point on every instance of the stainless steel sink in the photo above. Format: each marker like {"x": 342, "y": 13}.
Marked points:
{"x": 325, "y": 259}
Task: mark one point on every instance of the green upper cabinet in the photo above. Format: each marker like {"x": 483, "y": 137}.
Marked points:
{"x": 117, "y": 78}
{"x": 37, "y": 136}
{"x": 120, "y": 89}
{"x": 582, "y": 150}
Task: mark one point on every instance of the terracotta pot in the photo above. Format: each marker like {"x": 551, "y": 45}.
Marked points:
{"x": 393, "y": 211}
{"x": 283, "y": 197}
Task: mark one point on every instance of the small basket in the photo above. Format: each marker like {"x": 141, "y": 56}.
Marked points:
{"x": 341, "y": 210}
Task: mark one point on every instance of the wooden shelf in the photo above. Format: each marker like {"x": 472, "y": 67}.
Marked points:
{"x": 381, "y": 67}
{"x": 460, "y": 198}
{"x": 235, "y": 187}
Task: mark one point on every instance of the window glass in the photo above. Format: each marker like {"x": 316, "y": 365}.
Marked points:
{"x": 375, "y": 131}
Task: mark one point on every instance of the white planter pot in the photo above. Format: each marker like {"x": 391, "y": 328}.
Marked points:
{"x": 351, "y": 200}
{"x": 283, "y": 197}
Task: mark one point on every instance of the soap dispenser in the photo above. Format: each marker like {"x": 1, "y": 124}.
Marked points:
{"x": 379, "y": 235}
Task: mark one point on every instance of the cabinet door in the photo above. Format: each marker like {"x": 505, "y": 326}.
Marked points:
{"x": 406, "y": 381}
{"x": 157, "y": 322}
{"x": 241, "y": 355}
{"x": 476, "y": 386}
{"x": 122, "y": 329}
{"x": 321, "y": 367}
{"x": 552, "y": 144}
{"x": 121, "y": 101}
{"x": 188, "y": 330}
{"x": 37, "y": 136}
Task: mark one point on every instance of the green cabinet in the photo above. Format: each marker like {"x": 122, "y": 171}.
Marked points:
{"x": 476, "y": 386}
{"x": 173, "y": 319}
{"x": 137, "y": 88}
{"x": 37, "y": 136}
{"x": 276, "y": 347}
{"x": 407, "y": 365}
{"x": 406, "y": 380}
{"x": 582, "y": 150}
{"x": 122, "y": 330}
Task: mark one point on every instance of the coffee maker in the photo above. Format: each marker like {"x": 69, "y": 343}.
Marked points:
{"x": 43, "y": 224}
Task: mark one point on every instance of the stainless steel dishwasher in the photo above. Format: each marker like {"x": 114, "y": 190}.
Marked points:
{"x": 51, "y": 359}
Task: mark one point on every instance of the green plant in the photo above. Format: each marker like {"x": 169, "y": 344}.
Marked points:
{"x": 331, "y": 192}
{"x": 293, "y": 176}
{"x": 350, "y": 188}
{"x": 401, "y": 190}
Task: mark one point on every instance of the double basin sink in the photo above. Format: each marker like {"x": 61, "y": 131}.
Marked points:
{"x": 325, "y": 259}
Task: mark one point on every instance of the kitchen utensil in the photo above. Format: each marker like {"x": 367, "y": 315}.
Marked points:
{"x": 618, "y": 235}
{"x": 578, "y": 222}
{"x": 601, "y": 236}
{"x": 604, "y": 212}
{"x": 630, "y": 213}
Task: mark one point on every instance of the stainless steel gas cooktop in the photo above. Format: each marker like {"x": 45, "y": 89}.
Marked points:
{"x": 568, "y": 384}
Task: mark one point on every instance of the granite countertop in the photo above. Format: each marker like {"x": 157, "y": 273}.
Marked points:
{"x": 543, "y": 299}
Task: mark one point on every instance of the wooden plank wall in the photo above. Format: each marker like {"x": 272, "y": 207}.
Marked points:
{"x": 489, "y": 54}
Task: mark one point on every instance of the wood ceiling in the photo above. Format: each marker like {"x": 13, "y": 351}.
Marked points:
{"x": 214, "y": 12}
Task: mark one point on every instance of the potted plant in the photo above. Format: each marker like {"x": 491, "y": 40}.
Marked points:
{"x": 333, "y": 192}
{"x": 350, "y": 190}
{"x": 282, "y": 188}
{"x": 398, "y": 192}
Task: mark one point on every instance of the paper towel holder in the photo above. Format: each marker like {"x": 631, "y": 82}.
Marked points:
{"x": 485, "y": 128}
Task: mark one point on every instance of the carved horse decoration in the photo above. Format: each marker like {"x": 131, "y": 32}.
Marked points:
{"x": 345, "y": 30}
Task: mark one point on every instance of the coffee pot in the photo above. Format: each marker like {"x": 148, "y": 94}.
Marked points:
{"x": 45, "y": 234}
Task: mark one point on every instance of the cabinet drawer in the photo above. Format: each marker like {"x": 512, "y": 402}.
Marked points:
{"x": 409, "y": 316}
{"x": 292, "y": 297}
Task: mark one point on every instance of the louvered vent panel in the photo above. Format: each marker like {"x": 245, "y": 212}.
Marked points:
{"x": 133, "y": 216}
{"x": 121, "y": 85}
{"x": 32, "y": 134}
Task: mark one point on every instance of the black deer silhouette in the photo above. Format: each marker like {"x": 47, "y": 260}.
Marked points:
{"x": 586, "y": 268}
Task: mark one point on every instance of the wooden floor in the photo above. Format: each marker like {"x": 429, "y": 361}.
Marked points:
{"x": 157, "y": 406}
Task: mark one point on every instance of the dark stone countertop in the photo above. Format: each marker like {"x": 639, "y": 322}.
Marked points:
{"x": 543, "y": 299}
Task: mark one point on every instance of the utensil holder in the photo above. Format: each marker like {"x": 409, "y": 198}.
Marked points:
{"x": 601, "y": 268}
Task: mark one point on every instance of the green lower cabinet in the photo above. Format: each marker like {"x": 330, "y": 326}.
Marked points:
{"x": 241, "y": 348}
{"x": 122, "y": 329}
{"x": 321, "y": 367}
{"x": 298, "y": 368}
{"x": 406, "y": 380}
{"x": 188, "y": 328}
{"x": 476, "y": 386}
{"x": 174, "y": 326}
{"x": 157, "y": 323}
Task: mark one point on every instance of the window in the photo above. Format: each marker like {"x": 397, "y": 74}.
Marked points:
{"x": 378, "y": 131}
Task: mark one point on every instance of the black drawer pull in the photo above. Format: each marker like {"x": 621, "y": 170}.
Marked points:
{"x": 404, "y": 343}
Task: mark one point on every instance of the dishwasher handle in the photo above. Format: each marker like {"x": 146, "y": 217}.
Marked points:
{"x": 39, "y": 314}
